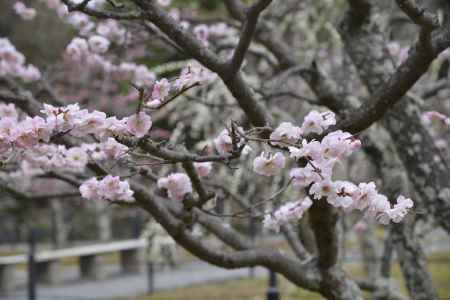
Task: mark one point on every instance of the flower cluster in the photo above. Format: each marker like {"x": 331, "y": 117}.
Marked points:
{"x": 109, "y": 188}
{"x": 26, "y": 13}
{"x": 320, "y": 157}
{"x": 89, "y": 51}
{"x": 30, "y": 132}
{"x": 12, "y": 63}
{"x": 75, "y": 159}
{"x": 57, "y": 157}
{"x": 289, "y": 211}
{"x": 190, "y": 75}
{"x": 430, "y": 116}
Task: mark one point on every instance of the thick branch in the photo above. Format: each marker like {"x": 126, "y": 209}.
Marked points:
{"x": 252, "y": 15}
{"x": 100, "y": 14}
{"x": 304, "y": 275}
{"x": 245, "y": 97}
{"x": 418, "y": 14}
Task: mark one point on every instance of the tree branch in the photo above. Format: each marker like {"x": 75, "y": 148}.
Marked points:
{"x": 82, "y": 7}
{"x": 252, "y": 15}
{"x": 418, "y": 14}
{"x": 304, "y": 275}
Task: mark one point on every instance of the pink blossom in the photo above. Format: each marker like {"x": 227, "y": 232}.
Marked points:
{"x": 323, "y": 188}
{"x": 112, "y": 188}
{"x": 269, "y": 165}
{"x": 143, "y": 76}
{"x": 311, "y": 150}
{"x": 112, "y": 127}
{"x": 77, "y": 158}
{"x": 30, "y": 73}
{"x": 366, "y": 194}
{"x": 139, "y": 124}
{"x": 161, "y": 89}
{"x": 109, "y": 188}
{"x": 400, "y": 209}
{"x": 154, "y": 104}
{"x": 203, "y": 168}
{"x": 112, "y": 30}
{"x": 23, "y": 11}
{"x": 98, "y": 44}
{"x": 113, "y": 149}
{"x": 193, "y": 74}
{"x": 285, "y": 133}
{"x": 89, "y": 123}
{"x": 316, "y": 122}
{"x": 339, "y": 144}
{"x": 223, "y": 143}
{"x": 8, "y": 111}
{"x": 12, "y": 63}
{"x": 430, "y": 116}
{"x": 343, "y": 194}
{"x": 77, "y": 49}
{"x": 377, "y": 206}
{"x": 178, "y": 185}
{"x": 90, "y": 189}
{"x": 286, "y": 213}
{"x": 303, "y": 177}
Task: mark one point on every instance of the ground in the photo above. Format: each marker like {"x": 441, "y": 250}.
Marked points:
{"x": 255, "y": 289}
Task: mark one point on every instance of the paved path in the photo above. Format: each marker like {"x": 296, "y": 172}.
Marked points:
{"x": 129, "y": 286}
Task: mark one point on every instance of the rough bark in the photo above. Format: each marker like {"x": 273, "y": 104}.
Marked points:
{"x": 427, "y": 170}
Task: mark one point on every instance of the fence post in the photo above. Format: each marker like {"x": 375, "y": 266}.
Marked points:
{"x": 32, "y": 265}
{"x": 272, "y": 290}
{"x": 150, "y": 277}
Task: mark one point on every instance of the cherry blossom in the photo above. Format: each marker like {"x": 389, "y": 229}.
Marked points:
{"x": 286, "y": 133}
{"x": 139, "y": 124}
{"x": 26, "y": 13}
{"x": 430, "y": 116}
{"x": 161, "y": 89}
{"x": 98, "y": 44}
{"x": 303, "y": 177}
{"x": 77, "y": 48}
{"x": 178, "y": 185}
{"x": 398, "y": 212}
{"x": 8, "y": 111}
{"x": 109, "y": 188}
{"x": 12, "y": 63}
{"x": 316, "y": 122}
{"x": 112, "y": 149}
{"x": 269, "y": 165}
{"x": 287, "y": 212}
{"x": 203, "y": 168}
{"x": 77, "y": 158}
{"x": 316, "y": 177}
